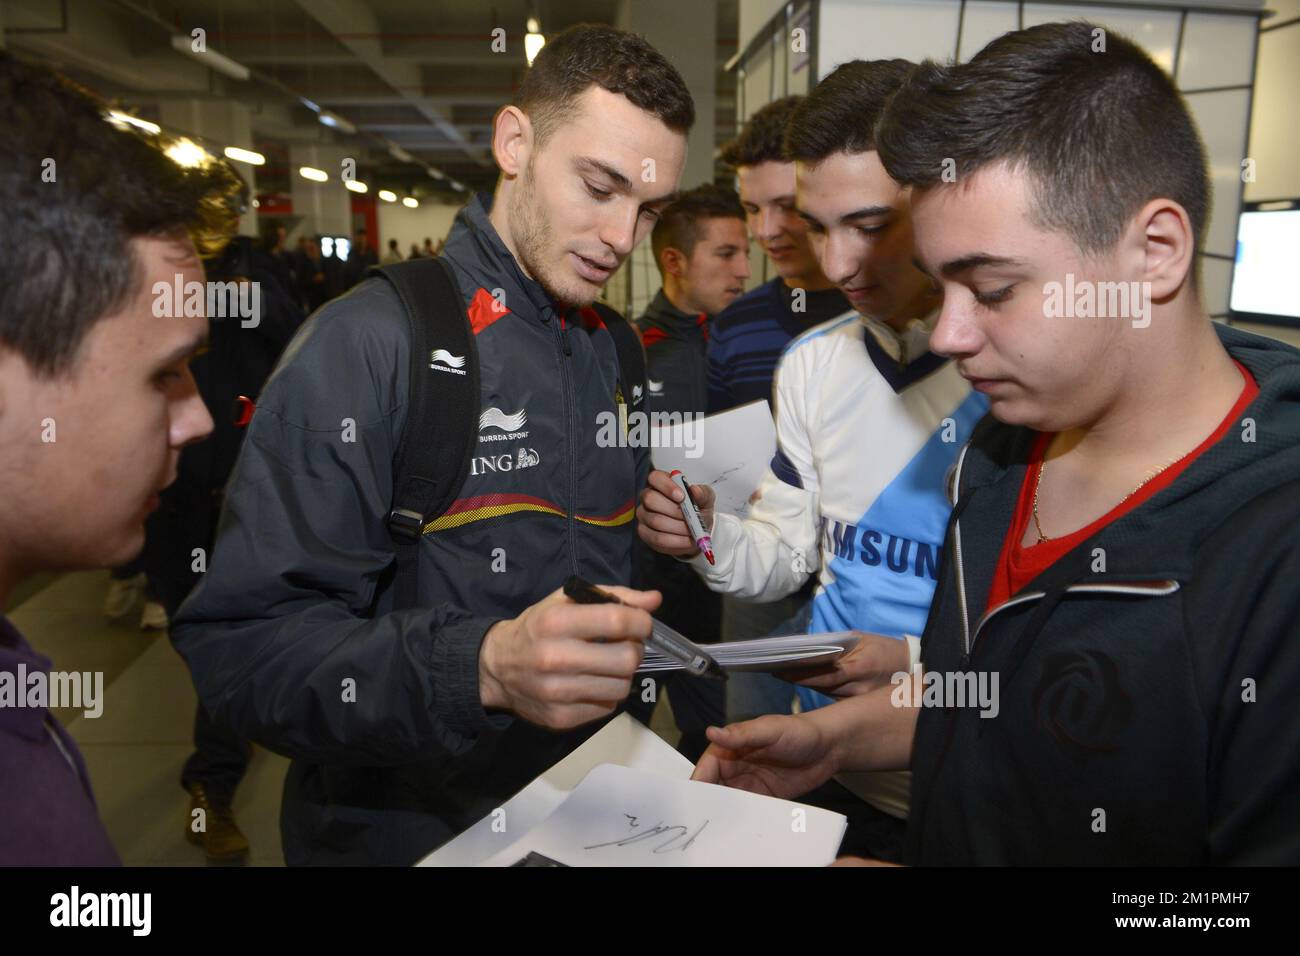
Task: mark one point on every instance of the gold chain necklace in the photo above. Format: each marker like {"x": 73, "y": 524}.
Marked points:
{"x": 1038, "y": 527}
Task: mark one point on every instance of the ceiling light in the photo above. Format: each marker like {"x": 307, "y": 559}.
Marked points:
{"x": 245, "y": 155}
{"x": 355, "y": 185}
{"x": 211, "y": 58}
{"x": 387, "y": 195}
{"x": 312, "y": 173}
{"x": 533, "y": 43}
{"x": 337, "y": 122}
{"x": 410, "y": 202}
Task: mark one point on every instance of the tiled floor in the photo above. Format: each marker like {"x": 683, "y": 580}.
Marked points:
{"x": 135, "y": 749}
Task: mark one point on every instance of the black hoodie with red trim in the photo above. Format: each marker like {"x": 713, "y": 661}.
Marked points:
{"x": 1147, "y": 682}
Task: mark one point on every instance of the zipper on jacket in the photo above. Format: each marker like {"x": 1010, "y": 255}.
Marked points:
{"x": 570, "y": 409}
{"x": 961, "y": 574}
{"x": 1141, "y": 589}
{"x": 1136, "y": 588}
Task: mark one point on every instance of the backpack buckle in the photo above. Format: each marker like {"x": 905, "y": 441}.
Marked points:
{"x": 405, "y": 524}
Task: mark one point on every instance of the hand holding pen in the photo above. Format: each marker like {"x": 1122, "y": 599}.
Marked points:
{"x": 668, "y": 642}
{"x": 662, "y": 523}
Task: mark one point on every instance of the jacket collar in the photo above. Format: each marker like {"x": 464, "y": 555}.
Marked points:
{"x": 1157, "y": 539}
{"x": 672, "y": 321}
{"x": 475, "y": 248}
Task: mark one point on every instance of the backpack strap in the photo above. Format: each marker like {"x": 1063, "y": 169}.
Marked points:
{"x": 433, "y": 458}
{"x": 631, "y": 356}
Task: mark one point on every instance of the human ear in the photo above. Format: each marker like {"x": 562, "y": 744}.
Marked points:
{"x": 1166, "y": 244}
{"x": 512, "y": 139}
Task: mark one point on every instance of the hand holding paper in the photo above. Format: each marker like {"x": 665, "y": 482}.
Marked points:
{"x": 777, "y": 756}
{"x": 870, "y": 664}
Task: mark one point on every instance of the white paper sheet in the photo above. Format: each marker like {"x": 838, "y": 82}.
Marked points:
{"x": 734, "y": 449}
{"x": 619, "y": 816}
{"x": 766, "y": 653}
{"x": 623, "y": 740}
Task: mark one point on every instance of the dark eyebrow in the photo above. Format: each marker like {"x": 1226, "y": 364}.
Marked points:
{"x": 620, "y": 181}
{"x": 974, "y": 261}
{"x": 867, "y": 212}
{"x": 595, "y": 165}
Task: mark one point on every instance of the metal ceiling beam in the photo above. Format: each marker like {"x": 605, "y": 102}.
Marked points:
{"x": 354, "y": 24}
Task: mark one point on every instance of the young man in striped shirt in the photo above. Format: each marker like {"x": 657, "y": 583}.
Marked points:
{"x": 746, "y": 341}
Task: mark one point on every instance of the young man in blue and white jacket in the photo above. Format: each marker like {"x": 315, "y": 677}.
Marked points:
{"x": 869, "y": 421}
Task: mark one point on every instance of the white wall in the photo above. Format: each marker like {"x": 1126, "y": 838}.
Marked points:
{"x": 1274, "y": 126}
{"x": 1212, "y": 54}
{"x": 412, "y": 225}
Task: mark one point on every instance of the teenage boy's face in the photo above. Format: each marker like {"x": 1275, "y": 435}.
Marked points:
{"x": 718, "y": 266}
{"x": 767, "y": 191}
{"x": 860, "y": 227}
{"x": 118, "y": 420}
{"x": 591, "y": 192}
{"x": 978, "y": 238}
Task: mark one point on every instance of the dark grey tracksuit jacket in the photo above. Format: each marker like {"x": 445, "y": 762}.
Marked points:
{"x": 292, "y": 636}
{"x": 676, "y": 362}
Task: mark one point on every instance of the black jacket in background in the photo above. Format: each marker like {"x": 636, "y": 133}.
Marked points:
{"x": 677, "y": 382}
{"x": 675, "y": 343}
{"x": 1121, "y": 692}
{"x": 238, "y": 360}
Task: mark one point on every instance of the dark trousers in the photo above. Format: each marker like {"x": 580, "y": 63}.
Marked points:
{"x": 219, "y": 761}
{"x": 181, "y": 524}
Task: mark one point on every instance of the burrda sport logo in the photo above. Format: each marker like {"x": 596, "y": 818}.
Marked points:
{"x": 455, "y": 364}
{"x": 496, "y": 425}
{"x": 494, "y": 418}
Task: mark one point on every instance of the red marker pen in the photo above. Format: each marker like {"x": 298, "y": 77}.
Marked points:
{"x": 691, "y": 515}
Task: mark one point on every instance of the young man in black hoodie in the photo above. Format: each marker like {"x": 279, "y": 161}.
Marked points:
{"x": 1107, "y": 675}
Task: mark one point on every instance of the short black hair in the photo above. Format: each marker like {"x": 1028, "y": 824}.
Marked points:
{"x": 65, "y": 256}
{"x": 1099, "y": 133}
{"x": 761, "y": 139}
{"x": 591, "y": 54}
{"x": 679, "y": 224}
{"x": 840, "y": 114}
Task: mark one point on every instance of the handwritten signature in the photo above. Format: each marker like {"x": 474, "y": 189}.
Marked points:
{"x": 645, "y": 835}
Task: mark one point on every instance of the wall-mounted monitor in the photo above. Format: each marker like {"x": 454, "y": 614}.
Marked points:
{"x": 1266, "y": 273}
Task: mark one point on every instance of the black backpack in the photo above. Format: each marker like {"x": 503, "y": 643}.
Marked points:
{"x": 444, "y": 409}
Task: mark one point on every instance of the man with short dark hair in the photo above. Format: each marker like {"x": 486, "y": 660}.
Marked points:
{"x": 869, "y": 422}
{"x": 96, "y": 396}
{"x": 407, "y": 724}
{"x": 1103, "y": 679}
{"x": 747, "y": 339}
{"x": 702, "y": 252}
